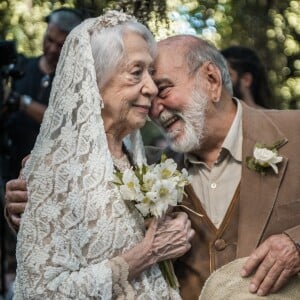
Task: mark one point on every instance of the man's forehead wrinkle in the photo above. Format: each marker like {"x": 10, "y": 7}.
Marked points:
{"x": 170, "y": 61}
{"x": 172, "y": 52}
{"x": 169, "y": 75}
{"x": 171, "y": 57}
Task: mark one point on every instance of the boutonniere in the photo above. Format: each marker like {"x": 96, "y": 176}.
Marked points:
{"x": 264, "y": 157}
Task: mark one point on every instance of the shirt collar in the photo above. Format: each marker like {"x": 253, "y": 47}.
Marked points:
{"x": 233, "y": 140}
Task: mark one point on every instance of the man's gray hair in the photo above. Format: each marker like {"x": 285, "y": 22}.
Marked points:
{"x": 201, "y": 51}
{"x": 65, "y": 19}
{"x": 108, "y": 47}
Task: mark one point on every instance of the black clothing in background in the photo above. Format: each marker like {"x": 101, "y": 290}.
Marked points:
{"x": 20, "y": 130}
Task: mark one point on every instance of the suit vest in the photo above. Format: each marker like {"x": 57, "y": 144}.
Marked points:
{"x": 211, "y": 247}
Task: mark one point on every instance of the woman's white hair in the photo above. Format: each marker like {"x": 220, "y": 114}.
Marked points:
{"x": 108, "y": 47}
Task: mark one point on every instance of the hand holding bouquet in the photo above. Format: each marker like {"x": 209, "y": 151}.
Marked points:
{"x": 154, "y": 188}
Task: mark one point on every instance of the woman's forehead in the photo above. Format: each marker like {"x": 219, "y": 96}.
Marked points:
{"x": 136, "y": 50}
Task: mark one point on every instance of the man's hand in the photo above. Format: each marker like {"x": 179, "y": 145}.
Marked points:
{"x": 16, "y": 199}
{"x": 275, "y": 261}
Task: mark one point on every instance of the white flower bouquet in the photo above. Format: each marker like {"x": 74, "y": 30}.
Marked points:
{"x": 154, "y": 188}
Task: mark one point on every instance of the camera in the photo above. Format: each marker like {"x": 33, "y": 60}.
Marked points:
{"x": 8, "y": 53}
{"x": 9, "y": 70}
{"x": 9, "y": 60}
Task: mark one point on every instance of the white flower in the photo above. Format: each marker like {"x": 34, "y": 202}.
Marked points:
{"x": 165, "y": 169}
{"x": 266, "y": 157}
{"x": 144, "y": 207}
{"x": 153, "y": 188}
{"x": 148, "y": 180}
{"x": 131, "y": 186}
{"x": 162, "y": 194}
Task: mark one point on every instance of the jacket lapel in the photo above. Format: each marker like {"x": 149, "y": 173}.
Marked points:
{"x": 258, "y": 192}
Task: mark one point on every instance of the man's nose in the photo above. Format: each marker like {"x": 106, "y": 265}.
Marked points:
{"x": 156, "y": 108}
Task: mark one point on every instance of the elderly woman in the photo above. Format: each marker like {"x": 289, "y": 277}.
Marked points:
{"x": 78, "y": 239}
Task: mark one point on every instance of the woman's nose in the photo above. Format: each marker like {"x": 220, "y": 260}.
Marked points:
{"x": 149, "y": 87}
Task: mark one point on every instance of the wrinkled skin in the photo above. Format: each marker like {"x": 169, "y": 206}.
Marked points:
{"x": 272, "y": 264}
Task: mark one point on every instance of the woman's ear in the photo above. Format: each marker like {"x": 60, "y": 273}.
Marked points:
{"x": 214, "y": 80}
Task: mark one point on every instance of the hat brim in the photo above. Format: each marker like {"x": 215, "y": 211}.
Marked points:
{"x": 227, "y": 284}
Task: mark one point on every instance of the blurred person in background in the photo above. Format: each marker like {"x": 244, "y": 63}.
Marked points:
{"x": 248, "y": 76}
{"x": 26, "y": 104}
{"x": 30, "y": 94}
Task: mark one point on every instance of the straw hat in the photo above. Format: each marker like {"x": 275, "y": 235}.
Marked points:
{"x": 227, "y": 284}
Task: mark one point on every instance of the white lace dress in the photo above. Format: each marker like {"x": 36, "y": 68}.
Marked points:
{"x": 76, "y": 225}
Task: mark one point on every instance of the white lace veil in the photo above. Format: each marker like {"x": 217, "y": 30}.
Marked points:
{"x": 72, "y": 144}
{"x": 76, "y": 225}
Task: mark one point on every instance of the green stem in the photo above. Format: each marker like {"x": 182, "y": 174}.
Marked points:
{"x": 167, "y": 270}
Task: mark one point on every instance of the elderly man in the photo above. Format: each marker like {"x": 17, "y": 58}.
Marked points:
{"x": 250, "y": 207}
{"x": 245, "y": 211}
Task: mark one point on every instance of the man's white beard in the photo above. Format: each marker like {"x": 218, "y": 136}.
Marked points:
{"x": 194, "y": 125}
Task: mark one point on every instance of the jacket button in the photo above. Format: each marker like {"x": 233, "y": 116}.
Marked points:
{"x": 220, "y": 244}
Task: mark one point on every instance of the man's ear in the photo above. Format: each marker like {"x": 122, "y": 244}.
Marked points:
{"x": 214, "y": 80}
{"x": 247, "y": 79}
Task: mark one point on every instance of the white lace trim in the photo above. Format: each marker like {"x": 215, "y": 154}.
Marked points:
{"x": 76, "y": 225}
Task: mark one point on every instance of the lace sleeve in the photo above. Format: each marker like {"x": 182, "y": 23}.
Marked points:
{"x": 119, "y": 278}
{"x": 91, "y": 282}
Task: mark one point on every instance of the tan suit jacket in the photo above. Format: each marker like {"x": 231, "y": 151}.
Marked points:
{"x": 269, "y": 204}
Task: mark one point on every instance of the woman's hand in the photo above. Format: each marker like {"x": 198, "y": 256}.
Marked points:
{"x": 16, "y": 199}
{"x": 166, "y": 238}
{"x": 169, "y": 237}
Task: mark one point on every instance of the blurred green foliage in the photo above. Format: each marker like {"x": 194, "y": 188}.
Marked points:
{"x": 23, "y": 21}
{"x": 271, "y": 27}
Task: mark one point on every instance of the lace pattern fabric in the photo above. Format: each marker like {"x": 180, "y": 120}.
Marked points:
{"x": 76, "y": 225}
{"x": 121, "y": 163}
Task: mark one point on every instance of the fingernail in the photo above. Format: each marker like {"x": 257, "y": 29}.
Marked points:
{"x": 243, "y": 273}
{"x": 260, "y": 292}
{"x": 252, "y": 288}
